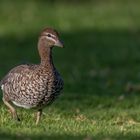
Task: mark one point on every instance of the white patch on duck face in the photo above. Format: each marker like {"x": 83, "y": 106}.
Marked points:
{"x": 2, "y": 87}
{"x": 50, "y": 34}
{"x": 49, "y": 38}
{"x": 20, "y": 105}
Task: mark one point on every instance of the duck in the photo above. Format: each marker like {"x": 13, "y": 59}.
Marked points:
{"x": 34, "y": 86}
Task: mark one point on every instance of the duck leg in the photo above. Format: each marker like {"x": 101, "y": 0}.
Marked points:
{"x": 12, "y": 110}
{"x": 38, "y": 116}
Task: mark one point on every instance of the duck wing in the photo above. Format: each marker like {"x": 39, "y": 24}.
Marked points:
{"x": 16, "y": 71}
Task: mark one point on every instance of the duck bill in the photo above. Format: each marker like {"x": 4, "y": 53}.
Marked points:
{"x": 59, "y": 44}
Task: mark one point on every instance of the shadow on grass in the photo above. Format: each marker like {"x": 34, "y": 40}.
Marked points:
{"x": 66, "y": 137}
{"x": 93, "y": 60}
{"x": 93, "y": 63}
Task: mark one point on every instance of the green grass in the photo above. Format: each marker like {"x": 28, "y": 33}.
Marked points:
{"x": 101, "y": 57}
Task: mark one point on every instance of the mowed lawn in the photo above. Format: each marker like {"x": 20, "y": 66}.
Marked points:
{"x": 99, "y": 64}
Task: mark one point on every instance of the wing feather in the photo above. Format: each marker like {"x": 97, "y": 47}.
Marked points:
{"x": 18, "y": 70}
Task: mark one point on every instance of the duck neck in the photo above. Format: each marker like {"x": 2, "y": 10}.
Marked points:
{"x": 45, "y": 52}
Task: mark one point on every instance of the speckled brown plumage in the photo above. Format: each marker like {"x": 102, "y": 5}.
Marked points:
{"x": 34, "y": 86}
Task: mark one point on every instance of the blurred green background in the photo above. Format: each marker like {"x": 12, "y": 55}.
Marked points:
{"x": 100, "y": 65}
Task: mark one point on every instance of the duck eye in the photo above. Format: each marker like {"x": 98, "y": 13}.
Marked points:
{"x": 49, "y": 35}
